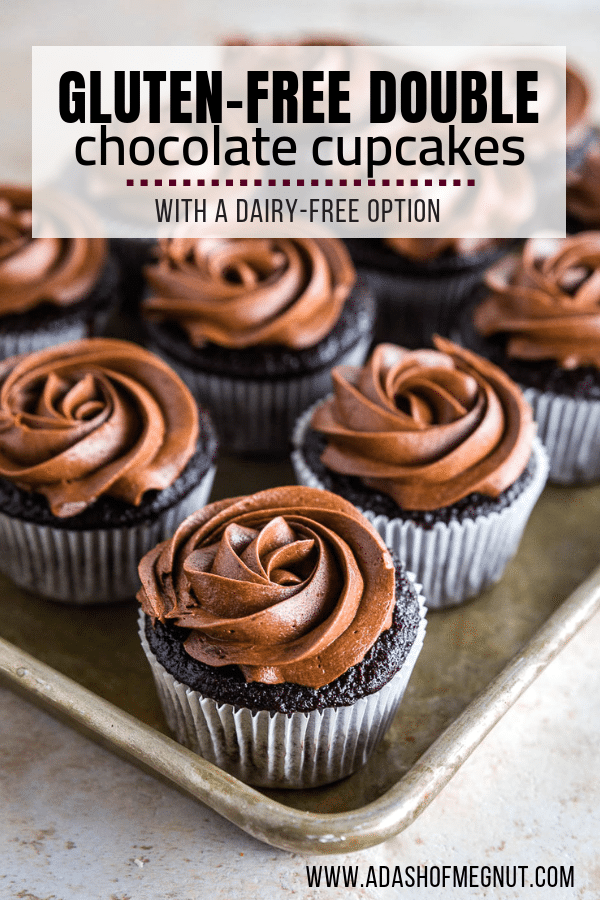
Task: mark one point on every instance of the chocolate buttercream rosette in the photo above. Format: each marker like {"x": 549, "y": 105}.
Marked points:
{"x": 540, "y": 320}
{"x": 102, "y": 454}
{"x": 437, "y": 449}
{"x": 281, "y": 635}
{"x": 421, "y": 284}
{"x": 253, "y": 326}
{"x": 52, "y": 289}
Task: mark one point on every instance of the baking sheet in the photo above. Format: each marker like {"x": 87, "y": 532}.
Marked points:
{"x": 476, "y": 661}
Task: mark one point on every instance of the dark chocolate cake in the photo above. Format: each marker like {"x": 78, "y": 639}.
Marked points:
{"x": 56, "y": 320}
{"x": 227, "y": 685}
{"x": 109, "y": 512}
{"x": 263, "y": 361}
{"x": 367, "y": 498}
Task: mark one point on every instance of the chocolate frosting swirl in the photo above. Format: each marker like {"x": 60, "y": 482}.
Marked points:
{"x": 244, "y": 292}
{"x": 583, "y": 188}
{"x": 291, "y": 584}
{"x": 93, "y": 417}
{"x": 47, "y": 269}
{"x": 426, "y": 427}
{"x": 547, "y": 301}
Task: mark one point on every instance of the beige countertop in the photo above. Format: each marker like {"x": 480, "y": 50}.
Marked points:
{"x": 79, "y": 823}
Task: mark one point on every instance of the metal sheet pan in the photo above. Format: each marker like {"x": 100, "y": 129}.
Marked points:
{"x": 85, "y": 665}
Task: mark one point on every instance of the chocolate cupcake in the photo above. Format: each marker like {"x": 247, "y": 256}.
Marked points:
{"x": 281, "y": 635}
{"x": 540, "y": 321}
{"x": 102, "y": 454}
{"x": 437, "y": 449}
{"x": 420, "y": 284}
{"x": 253, "y": 327}
{"x": 52, "y": 289}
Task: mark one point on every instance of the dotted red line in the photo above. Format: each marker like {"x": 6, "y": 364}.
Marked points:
{"x": 314, "y": 182}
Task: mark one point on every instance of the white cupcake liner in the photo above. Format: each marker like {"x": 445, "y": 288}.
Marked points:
{"x": 88, "y": 566}
{"x": 281, "y": 750}
{"x": 256, "y": 416}
{"x": 569, "y": 428}
{"x": 456, "y": 560}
